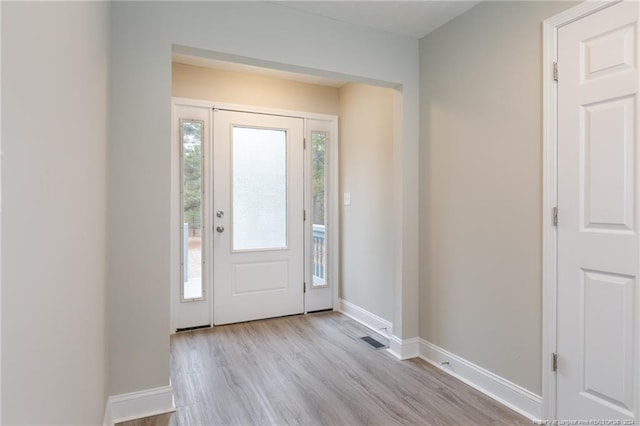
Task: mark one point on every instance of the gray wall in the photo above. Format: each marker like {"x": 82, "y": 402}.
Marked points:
{"x": 54, "y": 136}
{"x": 143, "y": 34}
{"x": 481, "y": 186}
{"x": 366, "y": 172}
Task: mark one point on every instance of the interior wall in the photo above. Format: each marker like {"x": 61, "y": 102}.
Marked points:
{"x": 54, "y": 134}
{"x": 259, "y": 33}
{"x": 366, "y": 172}
{"x": 194, "y": 82}
{"x": 481, "y": 187}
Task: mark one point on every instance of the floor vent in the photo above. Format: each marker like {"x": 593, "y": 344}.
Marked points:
{"x": 374, "y": 343}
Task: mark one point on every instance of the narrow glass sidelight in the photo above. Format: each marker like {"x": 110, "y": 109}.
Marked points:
{"x": 192, "y": 208}
{"x": 259, "y": 188}
{"x": 319, "y": 158}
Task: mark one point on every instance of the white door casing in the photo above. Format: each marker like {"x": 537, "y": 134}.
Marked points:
{"x": 257, "y": 279}
{"x": 598, "y": 249}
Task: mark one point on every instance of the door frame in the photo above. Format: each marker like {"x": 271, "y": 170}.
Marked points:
{"x": 550, "y": 29}
{"x": 333, "y": 245}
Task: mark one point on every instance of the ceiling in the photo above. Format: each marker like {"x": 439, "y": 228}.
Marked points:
{"x": 413, "y": 19}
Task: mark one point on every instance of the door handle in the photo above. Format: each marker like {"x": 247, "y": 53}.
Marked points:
{"x": 220, "y": 229}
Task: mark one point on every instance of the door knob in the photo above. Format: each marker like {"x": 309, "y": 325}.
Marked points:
{"x": 220, "y": 229}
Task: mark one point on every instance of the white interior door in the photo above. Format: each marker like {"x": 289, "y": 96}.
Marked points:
{"x": 190, "y": 239}
{"x": 258, "y": 243}
{"x": 598, "y": 246}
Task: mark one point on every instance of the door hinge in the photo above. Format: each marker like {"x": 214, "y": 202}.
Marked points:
{"x": 304, "y": 287}
{"x": 554, "y": 362}
{"x": 555, "y": 71}
{"x": 304, "y": 143}
{"x": 304, "y": 215}
{"x": 555, "y": 216}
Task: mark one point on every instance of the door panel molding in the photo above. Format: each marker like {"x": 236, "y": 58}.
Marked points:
{"x": 550, "y": 216}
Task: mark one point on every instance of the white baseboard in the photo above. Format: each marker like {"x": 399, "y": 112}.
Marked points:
{"x": 366, "y": 318}
{"x": 401, "y": 349}
{"x": 505, "y": 392}
{"x": 137, "y": 405}
{"x": 404, "y": 348}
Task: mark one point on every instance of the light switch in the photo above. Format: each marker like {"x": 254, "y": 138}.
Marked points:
{"x": 347, "y": 198}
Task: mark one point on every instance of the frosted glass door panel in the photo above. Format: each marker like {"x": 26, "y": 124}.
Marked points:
{"x": 259, "y": 188}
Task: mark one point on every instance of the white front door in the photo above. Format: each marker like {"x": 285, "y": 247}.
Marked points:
{"x": 598, "y": 374}
{"x": 258, "y": 207}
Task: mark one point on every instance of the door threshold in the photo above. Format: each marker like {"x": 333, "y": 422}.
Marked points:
{"x": 197, "y": 327}
{"x": 319, "y": 311}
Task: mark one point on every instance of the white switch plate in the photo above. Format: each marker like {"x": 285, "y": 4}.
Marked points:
{"x": 347, "y": 198}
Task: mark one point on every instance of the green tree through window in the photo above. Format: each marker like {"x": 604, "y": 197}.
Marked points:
{"x": 319, "y": 149}
{"x": 192, "y": 174}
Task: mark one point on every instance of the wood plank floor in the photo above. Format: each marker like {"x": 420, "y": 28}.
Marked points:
{"x": 312, "y": 370}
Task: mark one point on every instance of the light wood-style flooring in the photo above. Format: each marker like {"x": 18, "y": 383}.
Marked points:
{"x": 312, "y": 370}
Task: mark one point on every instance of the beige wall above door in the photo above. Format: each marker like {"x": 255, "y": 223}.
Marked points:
{"x": 195, "y": 82}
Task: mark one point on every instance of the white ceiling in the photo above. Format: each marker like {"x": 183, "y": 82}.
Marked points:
{"x": 413, "y": 19}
